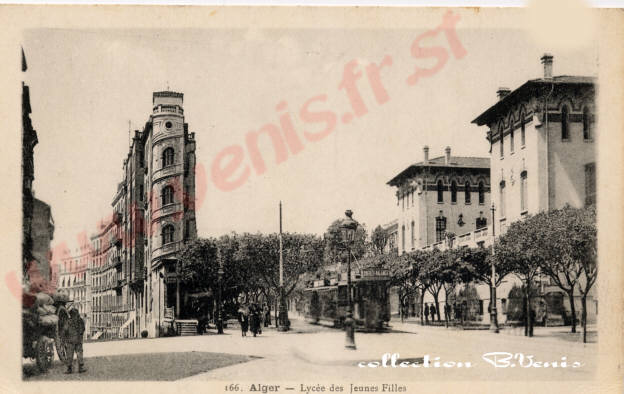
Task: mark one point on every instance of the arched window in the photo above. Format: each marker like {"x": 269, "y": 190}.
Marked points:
{"x": 167, "y": 234}
{"x": 586, "y": 124}
{"x": 501, "y": 139}
{"x": 467, "y": 192}
{"x": 453, "y": 192}
{"x": 440, "y": 227}
{"x": 565, "y": 126}
{"x": 501, "y": 209}
{"x": 522, "y": 130}
{"x": 481, "y": 189}
{"x": 440, "y": 191}
{"x": 523, "y": 191}
{"x": 511, "y": 136}
{"x": 167, "y": 195}
{"x": 167, "y": 157}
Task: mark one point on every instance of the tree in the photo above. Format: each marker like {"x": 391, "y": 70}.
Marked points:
{"x": 516, "y": 249}
{"x": 404, "y": 275}
{"x": 301, "y": 253}
{"x": 379, "y": 239}
{"x": 431, "y": 275}
{"x": 335, "y": 250}
{"x": 586, "y": 251}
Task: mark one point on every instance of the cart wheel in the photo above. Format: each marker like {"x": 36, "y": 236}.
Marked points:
{"x": 61, "y": 348}
{"x": 45, "y": 353}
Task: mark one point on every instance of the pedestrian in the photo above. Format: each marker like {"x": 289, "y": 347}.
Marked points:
{"x": 426, "y": 313}
{"x": 73, "y": 331}
{"x": 243, "y": 319}
{"x": 254, "y": 319}
{"x": 267, "y": 314}
{"x": 447, "y": 312}
{"x": 432, "y": 310}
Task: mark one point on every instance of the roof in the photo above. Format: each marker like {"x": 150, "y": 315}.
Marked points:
{"x": 528, "y": 88}
{"x": 440, "y": 162}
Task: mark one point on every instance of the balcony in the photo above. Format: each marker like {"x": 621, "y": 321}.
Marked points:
{"x": 167, "y": 249}
{"x": 116, "y": 261}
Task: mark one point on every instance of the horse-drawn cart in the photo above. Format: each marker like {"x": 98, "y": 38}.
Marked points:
{"x": 43, "y": 317}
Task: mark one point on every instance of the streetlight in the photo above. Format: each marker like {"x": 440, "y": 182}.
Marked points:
{"x": 219, "y": 301}
{"x": 493, "y": 316}
{"x": 347, "y": 229}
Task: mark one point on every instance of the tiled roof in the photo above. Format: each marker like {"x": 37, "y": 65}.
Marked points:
{"x": 529, "y": 88}
{"x": 455, "y": 162}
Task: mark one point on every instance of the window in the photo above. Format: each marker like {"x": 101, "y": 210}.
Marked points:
{"x": 586, "y": 124}
{"x": 467, "y": 192}
{"x": 501, "y": 209}
{"x": 440, "y": 191}
{"x": 565, "y": 126}
{"x": 511, "y": 139}
{"x": 413, "y": 234}
{"x": 453, "y": 192}
{"x": 522, "y": 131}
{"x": 167, "y": 234}
{"x": 590, "y": 184}
{"x": 167, "y": 195}
{"x": 481, "y": 189}
{"x": 168, "y": 157}
{"x": 501, "y": 138}
{"x": 523, "y": 191}
{"x": 481, "y": 222}
{"x": 403, "y": 238}
{"x": 141, "y": 191}
{"x": 440, "y": 228}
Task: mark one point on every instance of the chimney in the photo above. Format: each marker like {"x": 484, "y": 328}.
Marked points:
{"x": 502, "y": 92}
{"x": 547, "y": 61}
{"x": 447, "y": 155}
{"x": 426, "y": 152}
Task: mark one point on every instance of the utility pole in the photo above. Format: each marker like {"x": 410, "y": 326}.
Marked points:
{"x": 283, "y": 318}
{"x": 493, "y": 316}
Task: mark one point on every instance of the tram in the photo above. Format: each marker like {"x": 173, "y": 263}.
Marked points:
{"x": 325, "y": 301}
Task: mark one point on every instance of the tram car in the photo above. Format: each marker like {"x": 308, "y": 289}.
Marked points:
{"x": 326, "y": 300}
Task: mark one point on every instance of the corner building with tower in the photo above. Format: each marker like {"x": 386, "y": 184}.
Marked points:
{"x": 153, "y": 218}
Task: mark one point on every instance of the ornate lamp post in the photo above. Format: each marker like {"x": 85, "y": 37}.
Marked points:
{"x": 219, "y": 296}
{"x": 493, "y": 316}
{"x": 347, "y": 229}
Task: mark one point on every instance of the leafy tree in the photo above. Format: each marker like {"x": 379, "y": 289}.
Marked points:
{"x": 379, "y": 239}
{"x": 516, "y": 249}
{"x": 431, "y": 275}
{"x": 418, "y": 260}
{"x": 404, "y": 275}
{"x": 335, "y": 250}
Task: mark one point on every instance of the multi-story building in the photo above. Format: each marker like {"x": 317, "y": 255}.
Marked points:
{"x": 542, "y": 149}
{"x": 542, "y": 145}
{"x": 441, "y": 196}
{"x": 73, "y": 278}
{"x": 154, "y": 216}
{"x": 37, "y": 222}
{"x": 392, "y": 234}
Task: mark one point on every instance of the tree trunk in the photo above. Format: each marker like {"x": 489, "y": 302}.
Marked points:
{"x": 437, "y": 305}
{"x": 572, "y": 310}
{"x": 529, "y": 328}
{"x": 422, "y": 311}
{"x": 584, "y": 316}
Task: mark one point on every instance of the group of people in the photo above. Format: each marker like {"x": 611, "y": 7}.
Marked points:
{"x": 253, "y": 317}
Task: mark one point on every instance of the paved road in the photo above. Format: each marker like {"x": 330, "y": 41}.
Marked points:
{"x": 317, "y": 354}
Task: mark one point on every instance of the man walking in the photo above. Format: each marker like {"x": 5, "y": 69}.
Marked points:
{"x": 426, "y": 313}
{"x": 73, "y": 332}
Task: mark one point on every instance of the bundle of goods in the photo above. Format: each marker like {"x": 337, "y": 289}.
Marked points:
{"x": 44, "y": 305}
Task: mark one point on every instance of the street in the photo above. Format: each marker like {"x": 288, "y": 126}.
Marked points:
{"x": 311, "y": 353}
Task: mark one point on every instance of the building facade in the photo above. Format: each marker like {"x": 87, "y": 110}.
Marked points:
{"x": 542, "y": 152}
{"x": 542, "y": 145}
{"x": 153, "y": 218}
{"x": 74, "y": 279}
{"x": 442, "y": 196}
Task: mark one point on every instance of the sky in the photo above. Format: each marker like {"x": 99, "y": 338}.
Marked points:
{"x": 87, "y": 85}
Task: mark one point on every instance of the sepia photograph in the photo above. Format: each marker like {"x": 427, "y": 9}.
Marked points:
{"x": 345, "y": 200}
